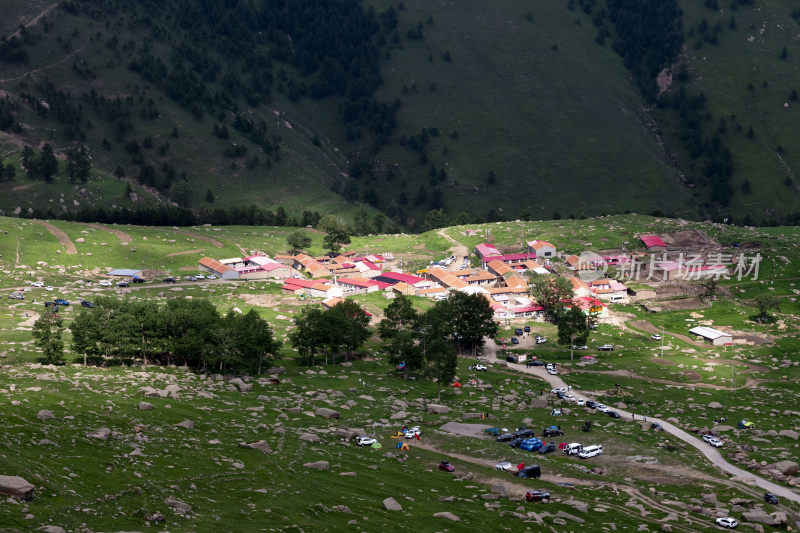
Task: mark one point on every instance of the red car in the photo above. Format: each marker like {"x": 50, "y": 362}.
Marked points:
{"x": 446, "y": 466}
{"x": 537, "y": 495}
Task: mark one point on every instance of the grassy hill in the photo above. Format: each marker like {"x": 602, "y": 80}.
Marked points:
{"x": 523, "y": 115}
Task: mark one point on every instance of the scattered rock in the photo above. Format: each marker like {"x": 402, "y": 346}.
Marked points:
{"x": 327, "y": 413}
{"x": 180, "y": 507}
{"x": 318, "y": 465}
{"x": 102, "y": 434}
{"x": 788, "y": 433}
{"x": 144, "y": 406}
{"x": 448, "y": 515}
{"x": 709, "y": 499}
{"x": 188, "y": 424}
{"x": 390, "y": 504}
{"x": 275, "y": 370}
{"x": 260, "y": 445}
{"x": 715, "y": 405}
{"x": 567, "y": 516}
{"x": 309, "y": 437}
{"x": 17, "y": 487}
{"x": 787, "y": 468}
{"x": 45, "y": 414}
{"x": 53, "y": 529}
{"x": 438, "y": 409}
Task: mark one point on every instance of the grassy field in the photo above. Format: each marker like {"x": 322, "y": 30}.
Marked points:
{"x": 123, "y": 482}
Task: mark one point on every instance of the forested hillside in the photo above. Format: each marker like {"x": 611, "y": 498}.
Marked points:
{"x": 403, "y": 114}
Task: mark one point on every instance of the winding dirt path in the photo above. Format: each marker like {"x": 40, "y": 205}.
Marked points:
{"x": 459, "y": 250}
{"x": 123, "y": 237}
{"x": 209, "y": 240}
{"x": 62, "y": 237}
{"x": 187, "y": 252}
{"x": 35, "y": 19}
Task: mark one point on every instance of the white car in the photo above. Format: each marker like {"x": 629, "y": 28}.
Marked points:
{"x": 602, "y": 408}
{"x": 581, "y": 402}
{"x": 106, "y": 283}
{"x": 570, "y": 397}
{"x": 728, "y": 522}
{"x": 556, "y": 391}
{"x": 713, "y": 441}
{"x": 365, "y": 441}
{"x": 504, "y": 466}
{"x": 200, "y": 276}
{"x": 212, "y": 276}
{"x": 37, "y": 284}
{"x": 655, "y": 337}
{"x": 478, "y": 367}
{"x": 540, "y": 340}
{"x": 410, "y": 433}
{"x": 552, "y": 371}
{"x": 49, "y": 288}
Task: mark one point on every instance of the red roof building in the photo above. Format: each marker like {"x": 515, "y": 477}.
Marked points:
{"x": 653, "y": 243}
{"x": 485, "y": 249}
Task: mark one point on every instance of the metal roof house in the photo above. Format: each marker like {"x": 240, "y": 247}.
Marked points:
{"x": 218, "y": 269}
{"x": 712, "y": 336}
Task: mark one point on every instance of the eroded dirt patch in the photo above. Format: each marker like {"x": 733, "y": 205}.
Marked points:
{"x": 62, "y": 237}
{"x": 209, "y": 240}
{"x": 123, "y": 237}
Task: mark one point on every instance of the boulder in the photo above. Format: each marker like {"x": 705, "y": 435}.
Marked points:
{"x": 567, "y": 516}
{"x": 779, "y": 519}
{"x": 102, "y": 434}
{"x": 187, "y": 424}
{"x": 501, "y": 489}
{"x": 709, "y": 499}
{"x": 45, "y": 414}
{"x": 275, "y": 370}
{"x": 787, "y": 468}
{"x": 399, "y": 415}
{"x": 538, "y": 403}
{"x": 144, "y": 406}
{"x": 177, "y": 505}
{"x": 758, "y": 516}
{"x": 327, "y": 413}
{"x": 172, "y": 390}
{"x": 390, "y": 504}
{"x": 438, "y": 409}
{"x": 318, "y": 465}
{"x": 53, "y": 529}
{"x": 715, "y": 405}
{"x": 578, "y": 505}
{"x": 789, "y": 433}
{"x": 151, "y": 392}
{"x": 260, "y": 445}
{"x": 309, "y": 437}
{"x": 17, "y": 487}
{"x": 448, "y": 515}
{"x": 366, "y": 397}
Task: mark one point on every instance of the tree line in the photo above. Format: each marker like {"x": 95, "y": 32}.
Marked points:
{"x": 189, "y": 332}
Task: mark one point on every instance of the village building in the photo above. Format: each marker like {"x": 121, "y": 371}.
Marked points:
{"x": 445, "y": 278}
{"x": 680, "y": 270}
{"x": 653, "y": 243}
{"x": 311, "y": 265}
{"x": 510, "y": 259}
{"x": 576, "y": 262}
{"x": 712, "y": 336}
{"x": 591, "y": 306}
{"x": 609, "y": 290}
{"x": 233, "y": 262}
{"x": 486, "y": 250}
{"x": 482, "y": 278}
{"x": 541, "y": 249}
{"x": 212, "y": 266}
{"x": 360, "y": 285}
{"x": 396, "y": 277}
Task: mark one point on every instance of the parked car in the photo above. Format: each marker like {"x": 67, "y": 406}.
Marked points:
{"x": 16, "y": 295}
{"x": 138, "y": 280}
{"x": 581, "y": 402}
{"x": 192, "y": 278}
{"x": 534, "y": 363}
{"x": 511, "y": 358}
{"x": 527, "y": 329}
{"x": 579, "y": 347}
{"x": 411, "y": 433}
{"x": 655, "y": 337}
{"x": 479, "y": 367}
{"x": 771, "y": 498}
{"x": 713, "y": 441}
{"x": 561, "y": 395}
{"x": 552, "y": 431}
{"x": 169, "y": 279}
{"x": 514, "y": 340}
{"x": 591, "y": 404}
{"x": 524, "y": 433}
{"x": 200, "y": 276}
{"x": 85, "y": 303}
{"x": 49, "y": 288}
{"x": 536, "y": 495}
{"x": 39, "y": 284}
{"x": 540, "y": 340}
{"x": 504, "y": 466}
{"x": 602, "y": 408}
{"x": 552, "y": 371}
{"x": 211, "y": 276}
{"x": 573, "y": 448}
{"x": 518, "y": 332}
{"x": 727, "y": 522}
{"x": 556, "y": 391}
{"x": 446, "y": 466}
{"x": 532, "y": 471}
{"x": 614, "y": 414}
{"x": 515, "y": 443}
{"x": 606, "y": 348}
{"x": 106, "y": 283}
{"x": 590, "y": 451}
{"x": 122, "y": 284}
{"x": 61, "y": 301}
{"x": 505, "y": 437}
{"x": 492, "y": 431}
{"x": 655, "y": 426}
{"x": 363, "y": 440}
{"x": 548, "y": 448}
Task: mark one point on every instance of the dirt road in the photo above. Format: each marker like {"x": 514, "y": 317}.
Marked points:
{"x": 62, "y": 237}
{"x": 459, "y": 251}
{"x": 743, "y": 477}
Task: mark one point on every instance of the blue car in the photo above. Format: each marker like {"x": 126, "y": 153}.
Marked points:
{"x": 61, "y": 301}
{"x": 531, "y": 445}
